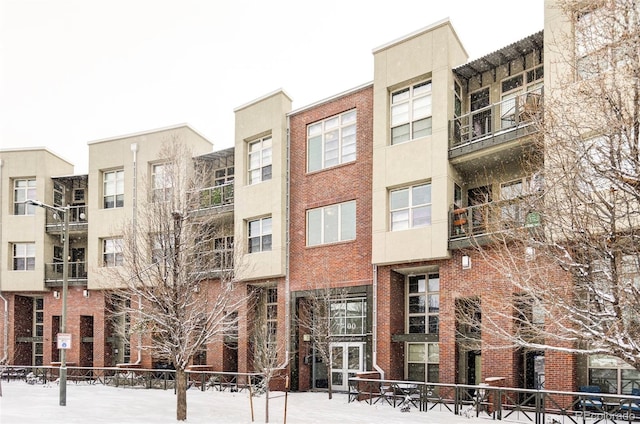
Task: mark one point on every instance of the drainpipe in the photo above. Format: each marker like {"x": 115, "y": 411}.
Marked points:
{"x": 375, "y": 323}
{"x": 5, "y": 321}
{"x": 287, "y": 287}
{"x": 134, "y": 150}
{"x": 5, "y": 330}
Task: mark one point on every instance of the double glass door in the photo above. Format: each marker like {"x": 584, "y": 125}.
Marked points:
{"x": 347, "y": 358}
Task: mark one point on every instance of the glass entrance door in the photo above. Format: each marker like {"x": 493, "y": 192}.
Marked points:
{"x": 346, "y": 361}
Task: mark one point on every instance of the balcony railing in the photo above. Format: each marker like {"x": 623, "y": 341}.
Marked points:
{"x": 77, "y": 273}
{"x": 78, "y": 219}
{"x": 496, "y": 119}
{"x": 492, "y": 217}
{"x": 217, "y": 196}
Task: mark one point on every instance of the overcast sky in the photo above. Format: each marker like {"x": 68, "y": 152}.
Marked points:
{"x": 75, "y": 71}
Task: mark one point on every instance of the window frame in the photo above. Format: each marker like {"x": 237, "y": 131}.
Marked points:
{"x": 161, "y": 182}
{"x": 115, "y": 252}
{"x": 410, "y": 208}
{"x": 28, "y": 256}
{"x": 423, "y": 308}
{"x": 21, "y": 194}
{"x": 407, "y": 105}
{"x": 345, "y": 129}
{"x": 262, "y": 236}
{"x": 429, "y": 358}
{"x": 340, "y": 318}
{"x": 263, "y": 165}
{"x": 118, "y": 178}
{"x": 342, "y": 232}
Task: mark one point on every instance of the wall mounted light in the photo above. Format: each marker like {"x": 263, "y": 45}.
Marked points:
{"x": 306, "y": 337}
{"x": 56, "y": 294}
{"x": 466, "y": 262}
{"x": 529, "y": 253}
{"x": 85, "y": 293}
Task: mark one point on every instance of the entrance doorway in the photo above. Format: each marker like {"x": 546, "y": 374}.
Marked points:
{"x": 534, "y": 370}
{"x": 347, "y": 358}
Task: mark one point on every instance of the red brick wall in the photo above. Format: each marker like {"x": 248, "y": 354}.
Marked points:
{"x": 340, "y": 264}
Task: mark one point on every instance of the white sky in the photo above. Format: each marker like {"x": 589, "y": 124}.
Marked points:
{"x": 74, "y": 71}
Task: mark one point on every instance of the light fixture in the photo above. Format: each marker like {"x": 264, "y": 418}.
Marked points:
{"x": 529, "y": 253}
{"x": 466, "y": 262}
{"x": 306, "y": 337}
{"x": 56, "y": 294}
{"x": 85, "y": 293}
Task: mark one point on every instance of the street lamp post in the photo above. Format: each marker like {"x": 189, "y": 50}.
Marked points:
{"x": 65, "y": 288}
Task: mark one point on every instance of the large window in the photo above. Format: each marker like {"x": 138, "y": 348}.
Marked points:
{"x": 331, "y": 224}
{"x": 612, "y": 375}
{"x": 23, "y": 190}
{"x": 24, "y": 256}
{"x": 162, "y": 182}
{"x": 113, "y": 189}
{"x": 410, "y": 207}
{"x": 332, "y": 141}
{"x": 271, "y": 309}
{"x": 260, "y": 160}
{"x": 348, "y": 317}
{"x": 112, "y": 252}
{"x": 260, "y": 235}
{"x": 423, "y": 304}
{"x": 423, "y": 362}
{"x": 411, "y": 112}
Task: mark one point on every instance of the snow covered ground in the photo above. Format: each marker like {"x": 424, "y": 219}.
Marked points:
{"x": 23, "y": 403}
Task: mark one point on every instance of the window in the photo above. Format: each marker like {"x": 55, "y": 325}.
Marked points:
{"x": 612, "y": 375}
{"x": 260, "y": 160}
{"x": 223, "y": 252}
{"x": 24, "y": 256}
{"x": 113, "y": 189}
{"x": 348, "y": 317}
{"x": 58, "y": 194}
{"x": 604, "y": 38}
{"x": 332, "y": 141}
{"x": 410, "y": 207}
{"x": 23, "y": 190}
{"x": 271, "y": 309}
{"x": 521, "y": 96}
{"x": 411, "y": 112}
{"x": 260, "y": 235}
{"x": 331, "y": 224}
{"x": 162, "y": 182}
{"x": 423, "y": 362}
{"x": 38, "y": 331}
{"x": 112, "y": 252}
{"x": 423, "y": 304}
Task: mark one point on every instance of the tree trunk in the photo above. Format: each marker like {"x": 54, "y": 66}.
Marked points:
{"x": 266, "y": 405}
{"x": 181, "y": 395}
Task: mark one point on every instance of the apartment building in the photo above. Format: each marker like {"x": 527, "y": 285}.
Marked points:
{"x": 372, "y": 198}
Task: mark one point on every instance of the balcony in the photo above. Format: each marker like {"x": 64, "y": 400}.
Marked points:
{"x": 475, "y": 224}
{"x": 218, "y": 199}
{"x": 78, "y": 220}
{"x": 496, "y": 124}
{"x": 77, "y": 274}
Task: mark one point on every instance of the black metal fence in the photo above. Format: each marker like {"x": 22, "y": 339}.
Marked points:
{"x": 134, "y": 377}
{"x": 499, "y": 403}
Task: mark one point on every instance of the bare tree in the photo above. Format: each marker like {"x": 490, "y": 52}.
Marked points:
{"x": 314, "y": 317}
{"x": 267, "y": 357}
{"x": 574, "y": 262}
{"x": 180, "y": 286}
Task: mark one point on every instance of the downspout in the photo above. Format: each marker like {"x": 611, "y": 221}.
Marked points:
{"x": 5, "y": 321}
{"x": 134, "y": 222}
{"x": 375, "y": 323}
{"x": 287, "y": 287}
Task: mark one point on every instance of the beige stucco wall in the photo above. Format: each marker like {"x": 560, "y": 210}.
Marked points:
{"x": 427, "y": 54}
{"x": 265, "y": 116}
{"x": 40, "y": 164}
{"x": 117, "y": 153}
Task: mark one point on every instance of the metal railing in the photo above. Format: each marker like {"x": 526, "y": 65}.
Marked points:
{"x": 498, "y": 403}
{"x": 217, "y": 196}
{"x": 134, "y": 377}
{"x": 496, "y": 118}
{"x": 492, "y": 217}
{"x": 78, "y": 218}
{"x": 77, "y": 272}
